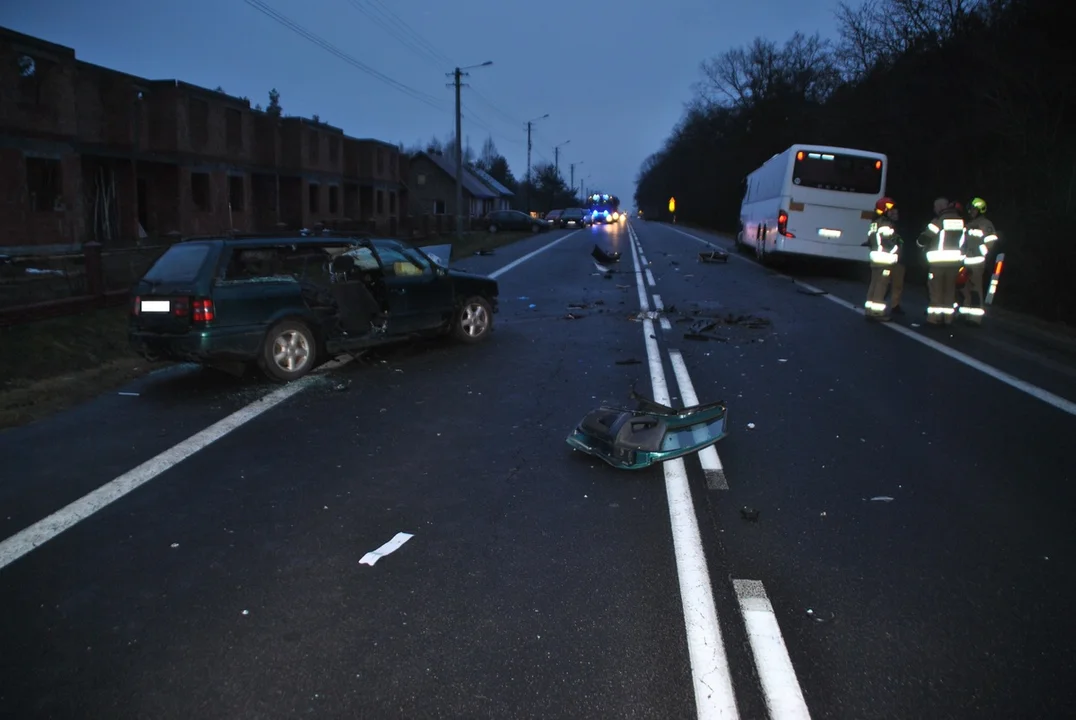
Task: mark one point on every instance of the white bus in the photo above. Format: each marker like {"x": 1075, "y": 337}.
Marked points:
{"x": 812, "y": 200}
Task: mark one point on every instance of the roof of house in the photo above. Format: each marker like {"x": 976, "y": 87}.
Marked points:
{"x": 470, "y": 183}
{"x": 492, "y": 182}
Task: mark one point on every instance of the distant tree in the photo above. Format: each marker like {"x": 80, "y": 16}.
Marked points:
{"x": 316, "y": 118}
{"x": 219, "y": 89}
{"x": 258, "y": 108}
{"x": 273, "y": 108}
{"x": 488, "y": 154}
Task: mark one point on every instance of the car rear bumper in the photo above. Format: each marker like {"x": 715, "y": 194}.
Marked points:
{"x": 242, "y": 343}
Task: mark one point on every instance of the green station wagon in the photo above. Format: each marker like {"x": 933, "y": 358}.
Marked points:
{"x": 290, "y": 304}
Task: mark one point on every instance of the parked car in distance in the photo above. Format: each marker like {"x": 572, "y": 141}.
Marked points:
{"x": 574, "y": 217}
{"x": 553, "y": 216}
{"x": 288, "y": 304}
{"x": 514, "y": 220}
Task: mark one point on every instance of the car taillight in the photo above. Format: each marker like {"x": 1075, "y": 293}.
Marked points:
{"x": 137, "y": 307}
{"x": 782, "y": 224}
{"x": 203, "y": 310}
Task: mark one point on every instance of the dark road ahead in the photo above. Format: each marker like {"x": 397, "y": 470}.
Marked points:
{"x": 911, "y": 556}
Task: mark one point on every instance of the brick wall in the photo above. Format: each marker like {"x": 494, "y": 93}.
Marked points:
{"x": 35, "y": 218}
{"x": 37, "y": 87}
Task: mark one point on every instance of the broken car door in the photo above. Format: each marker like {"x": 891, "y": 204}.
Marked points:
{"x": 420, "y": 295}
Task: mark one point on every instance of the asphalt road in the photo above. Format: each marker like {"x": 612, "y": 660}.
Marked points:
{"x": 538, "y": 582}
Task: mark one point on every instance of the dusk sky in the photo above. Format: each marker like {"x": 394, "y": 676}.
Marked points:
{"x": 612, "y": 76}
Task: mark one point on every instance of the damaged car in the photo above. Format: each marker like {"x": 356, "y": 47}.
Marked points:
{"x": 287, "y": 305}
{"x": 632, "y": 439}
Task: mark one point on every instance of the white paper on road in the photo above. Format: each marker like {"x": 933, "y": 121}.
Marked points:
{"x": 388, "y": 548}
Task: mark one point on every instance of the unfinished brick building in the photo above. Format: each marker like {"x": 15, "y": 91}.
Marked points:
{"x": 88, "y": 153}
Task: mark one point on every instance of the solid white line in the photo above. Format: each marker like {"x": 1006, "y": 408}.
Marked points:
{"x": 388, "y": 548}
{"x": 784, "y": 698}
{"x": 657, "y": 303}
{"x": 650, "y": 278}
{"x": 44, "y": 530}
{"x": 712, "y": 682}
{"x": 665, "y": 324}
{"x": 711, "y": 461}
{"x": 1034, "y": 391}
{"x": 497, "y": 273}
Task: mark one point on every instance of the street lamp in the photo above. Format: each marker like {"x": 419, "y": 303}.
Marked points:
{"x": 556, "y": 154}
{"x": 457, "y": 75}
{"x": 529, "y": 145}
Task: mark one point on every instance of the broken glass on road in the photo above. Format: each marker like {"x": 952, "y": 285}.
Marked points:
{"x": 651, "y": 433}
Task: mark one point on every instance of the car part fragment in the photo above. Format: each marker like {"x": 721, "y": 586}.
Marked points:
{"x": 651, "y": 433}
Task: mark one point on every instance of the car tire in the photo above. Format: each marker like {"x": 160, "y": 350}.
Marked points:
{"x": 493, "y": 228}
{"x": 473, "y": 321}
{"x": 289, "y": 352}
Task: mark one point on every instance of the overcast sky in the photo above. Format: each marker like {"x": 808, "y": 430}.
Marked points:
{"x": 613, "y": 76}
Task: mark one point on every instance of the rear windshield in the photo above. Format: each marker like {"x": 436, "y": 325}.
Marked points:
{"x": 573, "y": 212}
{"x": 180, "y": 263}
{"x": 844, "y": 173}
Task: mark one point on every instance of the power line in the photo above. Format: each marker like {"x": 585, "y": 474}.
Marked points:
{"x": 371, "y": 13}
{"x": 489, "y": 103}
{"x": 329, "y": 47}
{"x": 407, "y": 29}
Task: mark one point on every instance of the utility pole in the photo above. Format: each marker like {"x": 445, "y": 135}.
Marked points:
{"x": 556, "y": 155}
{"x": 573, "y": 175}
{"x": 457, "y": 75}
{"x": 528, "y": 175}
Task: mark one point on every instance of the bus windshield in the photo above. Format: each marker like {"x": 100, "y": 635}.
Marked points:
{"x": 843, "y": 173}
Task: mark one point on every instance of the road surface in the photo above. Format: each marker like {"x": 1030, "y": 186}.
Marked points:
{"x": 192, "y": 548}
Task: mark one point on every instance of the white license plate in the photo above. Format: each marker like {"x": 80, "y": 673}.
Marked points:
{"x": 156, "y": 306}
{"x": 827, "y": 233}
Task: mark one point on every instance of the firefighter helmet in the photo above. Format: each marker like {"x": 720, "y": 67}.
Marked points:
{"x": 979, "y": 204}
{"x": 884, "y": 205}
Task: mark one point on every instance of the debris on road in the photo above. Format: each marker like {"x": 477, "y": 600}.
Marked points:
{"x": 390, "y": 547}
{"x": 128, "y": 394}
{"x": 629, "y": 361}
{"x": 341, "y": 387}
{"x": 484, "y": 252}
{"x": 749, "y": 514}
{"x": 750, "y": 426}
{"x": 820, "y": 617}
{"x": 651, "y": 433}
{"x": 713, "y": 256}
{"x": 881, "y": 498}
{"x": 573, "y": 316}
{"x": 704, "y": 337}
{"x": 605, "y": 256}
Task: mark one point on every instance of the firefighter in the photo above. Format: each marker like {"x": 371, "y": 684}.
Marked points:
{"x": 943, "y": 241}
{"x": 884, "y": 244}
{"x": 981, "y": 237}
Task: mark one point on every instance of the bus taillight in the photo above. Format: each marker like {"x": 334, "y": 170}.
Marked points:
{"x": 782, "y": 224}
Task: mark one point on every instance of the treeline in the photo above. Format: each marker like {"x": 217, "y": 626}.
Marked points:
{"x": 547, "y": 187}
{"x": 966, "y": 97}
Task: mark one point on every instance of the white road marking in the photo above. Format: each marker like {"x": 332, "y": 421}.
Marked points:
{"x": 650, "y": 278}
{"x": 497, "y": 273}
{"x": 784, "y": 698}
{"x": 711, "y": 462}
{"x": 388, "y": 548}
{"x": 657, "y": 303}
{"x": 714, "y": 695}
{"x": 44, "y": 530}
{"x": 1023, "y": 386}
{"x": 665, "y": 324}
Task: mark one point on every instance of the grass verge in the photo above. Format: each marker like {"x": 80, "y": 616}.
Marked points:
{"x": 51, "y": 365}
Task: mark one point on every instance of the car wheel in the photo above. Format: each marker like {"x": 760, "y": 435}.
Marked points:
{"x": 493, "y": 228}
{"x": 473, "y": 321}
{"x": 289, "y": 351}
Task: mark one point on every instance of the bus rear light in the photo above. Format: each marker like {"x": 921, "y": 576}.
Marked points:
{"x": 782, "y": 224}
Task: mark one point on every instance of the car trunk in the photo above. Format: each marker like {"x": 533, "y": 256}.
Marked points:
{"x": 164, "y": 307}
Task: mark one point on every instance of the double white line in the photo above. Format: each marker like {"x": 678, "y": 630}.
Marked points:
{"x": 711, "y": 679}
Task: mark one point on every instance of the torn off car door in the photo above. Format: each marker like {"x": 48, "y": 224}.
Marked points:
{"x": 632, "y": 439}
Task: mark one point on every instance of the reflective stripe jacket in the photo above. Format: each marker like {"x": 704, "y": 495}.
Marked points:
{"x": 884, "y": 242}
{"x": 944, "y": 238}
{"x": 981, "y": 237}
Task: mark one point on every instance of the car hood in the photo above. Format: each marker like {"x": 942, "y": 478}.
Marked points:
{"x": 465, "y": 275}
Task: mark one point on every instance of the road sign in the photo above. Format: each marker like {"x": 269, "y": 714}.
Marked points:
{"x": 672, "y": 204}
